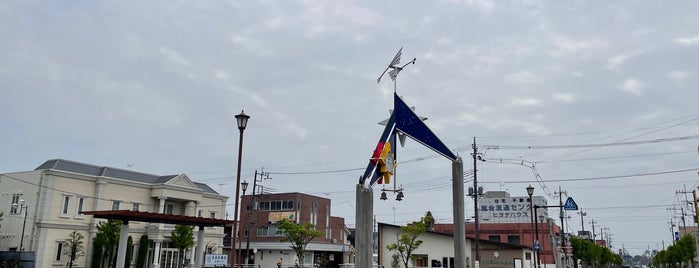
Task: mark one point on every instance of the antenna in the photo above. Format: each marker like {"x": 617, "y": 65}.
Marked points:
{"x": 396, "y": 68}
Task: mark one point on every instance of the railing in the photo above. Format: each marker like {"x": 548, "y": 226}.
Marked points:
{"x": 351, "y": 265}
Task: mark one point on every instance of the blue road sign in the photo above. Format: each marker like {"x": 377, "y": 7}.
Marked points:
{"x": 537, "y": 247}
{"x": 570, "y": 204}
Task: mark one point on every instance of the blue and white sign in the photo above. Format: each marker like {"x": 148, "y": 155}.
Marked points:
{"x": 537, "y": 247}
{"x": 570, "y": 204}
{"x": 215, "y": 260}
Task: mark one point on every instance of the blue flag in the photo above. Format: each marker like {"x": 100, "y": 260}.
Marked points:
{"x": 409, "y": 123}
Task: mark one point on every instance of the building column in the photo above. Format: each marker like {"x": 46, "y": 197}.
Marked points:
{"x": 123, "y": 237}
{"x": 190, "y": 209}
{"x": 156, "y": 254}
{"x": 199, "y": 250}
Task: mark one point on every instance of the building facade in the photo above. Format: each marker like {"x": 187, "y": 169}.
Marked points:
{"x": 260, "y": 240}
{"x": 437, "y": 250}
{"x": 508, "y": 219}
{"x": 56, "y": 192}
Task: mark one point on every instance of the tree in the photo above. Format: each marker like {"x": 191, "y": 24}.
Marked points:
{"x": 299, "y": 235}
{"x": 592, "y": 254}
{"x": 108, "y": 239}
{"x": 681, "y": 252}
{"x": 129, "y": 252}
{"x": 142, "y": 252}
{"x": 407, "y": 241}
{"x": 74, "y": 247}
{"x": 182, "y": 238}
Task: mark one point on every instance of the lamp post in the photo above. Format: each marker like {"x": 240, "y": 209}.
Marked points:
{"x": 242, "y": 120}
{"x": 530, "y": 192}
{"x": 22, "y": 208}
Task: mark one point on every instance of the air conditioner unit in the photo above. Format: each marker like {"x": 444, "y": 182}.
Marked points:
{"x": 334, "y": 241}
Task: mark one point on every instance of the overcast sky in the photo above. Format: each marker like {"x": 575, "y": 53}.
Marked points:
{"x": 153, "y": 86}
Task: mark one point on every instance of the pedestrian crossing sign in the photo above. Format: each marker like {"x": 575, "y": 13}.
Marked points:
{"x": 570, "y": 204}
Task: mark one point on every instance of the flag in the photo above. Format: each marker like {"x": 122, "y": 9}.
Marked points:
{"x": 409, "y": 123}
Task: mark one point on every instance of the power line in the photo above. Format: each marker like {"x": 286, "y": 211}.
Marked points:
{"x": 573, "y": 146}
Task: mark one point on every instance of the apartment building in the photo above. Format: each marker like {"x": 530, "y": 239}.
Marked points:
{"x": 55, "y": 193}
{"x": 258, "y": 218}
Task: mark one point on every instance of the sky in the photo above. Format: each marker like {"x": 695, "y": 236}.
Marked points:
{"x": 598, "y": 98}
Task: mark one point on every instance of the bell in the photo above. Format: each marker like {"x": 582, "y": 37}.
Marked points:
{"x": 400, "y": 196}
{"x": 383, "y": 196}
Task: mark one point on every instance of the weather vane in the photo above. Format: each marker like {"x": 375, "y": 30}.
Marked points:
{"x": 396, "y": 68}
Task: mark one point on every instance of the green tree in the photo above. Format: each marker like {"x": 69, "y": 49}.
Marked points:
{"x": 182, "y": 238}
{"x": 129, "y": 252}
{"x": 592, "y": 254}
{"x": 108, "y": 238}
{"x": 74, "y": 247}
{"x": 407, "y": 241}
{"x": 299, "y": 235}
{"x": 142, "y": 252}
{"x": 680, "y": 253}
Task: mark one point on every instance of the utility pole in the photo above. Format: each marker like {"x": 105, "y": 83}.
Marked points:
{"x": 582, "y": 223}
{"x": 475, "y": 193}
{"x": 593, "y": 231}
{"x": 253, "y": 207}
{"x": 562, "y": 215}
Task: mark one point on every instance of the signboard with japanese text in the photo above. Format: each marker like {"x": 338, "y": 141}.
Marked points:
{"x": 278, "y": 216}
{"x": 215, "y": 260}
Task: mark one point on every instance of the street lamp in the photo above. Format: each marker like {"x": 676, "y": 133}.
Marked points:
{"x": 242, "y": 120}
{"x": 530, "y": 192}
{"x": 22, "y": 208}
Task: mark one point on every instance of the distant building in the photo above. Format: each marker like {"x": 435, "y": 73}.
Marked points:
{"x": 57, "y": 191}
{"x": 508, "y": 219}
{"x": 258, "y": 225}
{"x": 437, "y": 250}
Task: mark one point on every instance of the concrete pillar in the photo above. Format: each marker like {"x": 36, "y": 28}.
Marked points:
{"x": 363, "y": 225}
{"x": 123, "y": 237}
{"x": 199, "y": 250}
{"x": 156, "y": 254}
{"x": 457, "y": 181}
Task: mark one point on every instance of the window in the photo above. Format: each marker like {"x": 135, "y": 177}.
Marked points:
{"x": 66, "y": 203}
{"x": 14, "y": 209}
{"x": 513, "y": 239}
{"x": 495, "y": 238}
{"x": 262, "y": 231}
{"x": 59, "y": 251}
{"x": 168, "y": 209}
{"x": 81, "y": 202}
{"x": 135, "y": 206}
{"x": 213, "y": 214}
{"x": 246, "y": 233}
{"x": 275, "y": 205}
{"x": 199, "y": 213}
{"x": 496, "y": 201}
{"x": 115, "y": 205}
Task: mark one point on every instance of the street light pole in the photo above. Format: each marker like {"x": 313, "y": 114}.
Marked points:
{"x": 530, "y": 192}
{"x": 242, "y": 120}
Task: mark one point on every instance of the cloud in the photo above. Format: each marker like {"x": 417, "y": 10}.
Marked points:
{"x": 565, "y": 97}
{"x": 522, "y": 78}
{"x": 615, "y": 62}
{"x": 632, "y": 86}
{"x": 173, "y": 56}
{"x": 563, "y": 45}
{"x": 525, "y": 102}
{"x": 688, "y": 41}
{"x": 678, "y": 77}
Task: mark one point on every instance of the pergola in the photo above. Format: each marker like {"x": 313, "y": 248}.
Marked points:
{"x": 127, "y": 215}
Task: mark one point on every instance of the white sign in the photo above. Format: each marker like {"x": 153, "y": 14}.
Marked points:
{"x": 211, "y": 260}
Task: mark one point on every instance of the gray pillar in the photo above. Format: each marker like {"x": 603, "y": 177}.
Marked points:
{"x": 363, "y": 225}
{"x": 457, "y": 182}
{"x": 121, "y": 252}
{"x": 199, "y": 251}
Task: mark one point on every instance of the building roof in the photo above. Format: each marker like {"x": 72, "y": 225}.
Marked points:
{"x": 128, "y": 215}
{"x": 112, "y": 172}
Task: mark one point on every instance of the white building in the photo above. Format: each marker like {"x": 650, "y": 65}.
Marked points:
{"x": 58, "y": 191}
{"x": 437, "y": 250}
